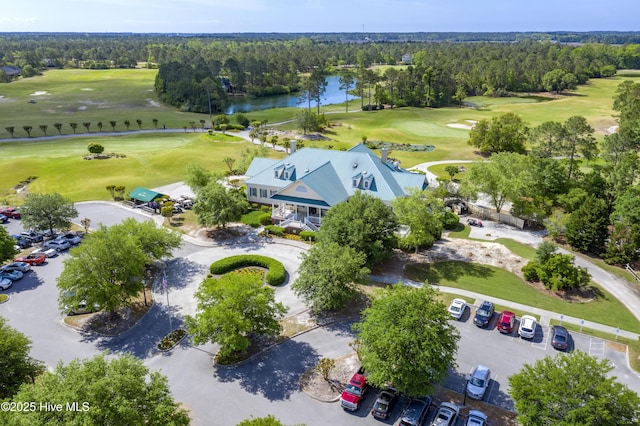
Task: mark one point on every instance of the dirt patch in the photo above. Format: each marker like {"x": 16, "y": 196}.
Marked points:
{"x": 483, "y": 253}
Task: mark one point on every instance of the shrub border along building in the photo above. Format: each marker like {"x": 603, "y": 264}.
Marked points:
{"x": 276, "y": 273}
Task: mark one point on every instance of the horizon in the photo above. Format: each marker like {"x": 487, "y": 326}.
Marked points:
{"x": 316, "y": 16}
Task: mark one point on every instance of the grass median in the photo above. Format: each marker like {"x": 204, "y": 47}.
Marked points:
{"x": 496, "y": 282}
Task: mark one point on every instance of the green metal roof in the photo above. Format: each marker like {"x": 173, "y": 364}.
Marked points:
{"x": 145, "y": 195}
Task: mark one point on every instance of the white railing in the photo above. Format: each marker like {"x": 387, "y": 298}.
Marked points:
{"x": 310, "y": 224}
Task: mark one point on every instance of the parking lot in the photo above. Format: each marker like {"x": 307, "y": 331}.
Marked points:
{"x": 34, "y": 311}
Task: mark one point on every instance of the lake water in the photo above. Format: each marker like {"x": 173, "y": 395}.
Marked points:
{"x": 332, "y": 95}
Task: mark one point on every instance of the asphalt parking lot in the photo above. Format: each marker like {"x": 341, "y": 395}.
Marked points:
{"x": 267, "y": 384}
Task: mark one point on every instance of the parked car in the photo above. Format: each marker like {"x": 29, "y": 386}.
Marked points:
{"x": 33, "y": 236}
{"x": 5, "y": 283}
{"x": 484, "y": 314}
{"x": 446, "y": 415}
{"x": 527, "y": 329}
{"x": 47, "y": 252}
{"x": 58, "y": 244}
{"x": 384, "y": 403}
{"x": 3, "y": 218}
{"x": 476, "y": 418}
{"x": 81, "y": 308}
{"x": 559, "y": 337}
{"x": 32, "y": 259}
{"x": 11, "y": 212}
{"x": 355, "y": 391}
{"x": 506, "y": 321}
{"x": 16, "y": 266}
{"x": 475, "y": 222}
{"x": 12, "y": 275}
{"x": 22, "y": 242}
{"x": 457, "y": 307}
{"x": 478, "y": 382}
{"x": 416, "y": 412}
{"x": 72, "y": 238}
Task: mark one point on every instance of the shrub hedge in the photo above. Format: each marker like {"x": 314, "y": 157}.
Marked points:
{"x": 265, "y": 219}
{"x": 275, "y": 230}
{"x": 308, "y": 235}
{"x": 276, "y": 273}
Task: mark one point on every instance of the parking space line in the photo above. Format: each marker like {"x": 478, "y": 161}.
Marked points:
{"x": 596, "y": 347}
{"x": 542, "y": 345}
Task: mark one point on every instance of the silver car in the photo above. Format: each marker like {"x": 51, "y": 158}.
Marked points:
{"x": 5, "y": 283}
{"x": 478, "y": 382}
{"x": 58, "y": 244}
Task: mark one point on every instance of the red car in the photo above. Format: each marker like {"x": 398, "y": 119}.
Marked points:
{"x": 506, "y": 321}
{"x": 11, "y": 213}
{"x": 32, "y": 259}
{"x": 355, "y": 392}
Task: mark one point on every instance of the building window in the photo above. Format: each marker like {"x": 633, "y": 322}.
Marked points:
{"x": 253, "y": 192}
{"x": 286, "y": 175}
{"x": 366, "y": 184}
{"x": 263, "y": 193}
{"x": 354, "y": 183}
{"x": 271, "y": 192}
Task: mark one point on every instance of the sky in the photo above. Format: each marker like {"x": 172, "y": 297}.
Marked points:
{"x": 286, "y": 16}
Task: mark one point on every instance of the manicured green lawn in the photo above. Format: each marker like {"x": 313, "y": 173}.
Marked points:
{"x": 522, "y": 250}
{"x": 497, "y": 282}
{"x": 151, "y": 160}
{"x": 252, "y": 218}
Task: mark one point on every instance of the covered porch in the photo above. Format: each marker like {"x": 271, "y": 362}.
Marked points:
{"x": 306, "y": 217}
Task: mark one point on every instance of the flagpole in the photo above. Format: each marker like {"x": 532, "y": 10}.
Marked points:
{"x": 166, "y": 291}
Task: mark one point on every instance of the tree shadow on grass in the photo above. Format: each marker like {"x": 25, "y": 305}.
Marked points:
{"x": 450, "y": 271}
{"x": 274, "y": 374}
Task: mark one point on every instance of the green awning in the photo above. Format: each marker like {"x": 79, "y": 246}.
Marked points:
{"x": 145, "y": 195}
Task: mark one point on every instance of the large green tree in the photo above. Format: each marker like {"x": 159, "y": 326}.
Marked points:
{"x": 47, "y": 212}
{"x": 500, "y": 178}
{"x": 7, "y": 245}
{"x": 216, "y": 205}
{"x": 328, "y": 275}
{"x": 232, "y": 309}
{"x": 120, "y": 391}
{"x": 572, "y": 389}
{"x": 587, "y": 226}
{"x": 107, "y": 269}
{"x": 363, "y": 223}
{"x": 16, "y": 366}
{"x": 424, "y": 214}
{"x": 507, "y": 132}
{"x": 579, "y": 138}
{"x": 197, "y": 177}
{"x": 406, "y": 338}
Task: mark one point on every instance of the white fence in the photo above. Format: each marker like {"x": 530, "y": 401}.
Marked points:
{"x": 486, "y": 213}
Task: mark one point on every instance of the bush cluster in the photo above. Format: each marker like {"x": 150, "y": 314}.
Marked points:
{"x": 276, "y": 273}
{"x": 275, "y": 230}
{"x": 265, "y": 219}
{"x": 451, "y": 220}
{"x": 308, "y": 235}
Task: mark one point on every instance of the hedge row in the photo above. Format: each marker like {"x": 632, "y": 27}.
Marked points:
{"x": 276, "y": 273}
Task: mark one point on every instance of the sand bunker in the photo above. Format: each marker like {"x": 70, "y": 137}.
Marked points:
{"x": 153, "y": 103}
{"x": 613, "y": 129}
{"x": 82, "y": 108}
{"x": 87, "y": 89}
{"x": 463, "y": 126}
{"x": 39, "y": 93}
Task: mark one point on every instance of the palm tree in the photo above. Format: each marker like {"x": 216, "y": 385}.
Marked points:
{"x": 87, "y": 124}
{"x": 44, "y": 128}
{"x": 127, "y": 123}
{"x": 202, "y": 124}
{"x": 28, "y": 130}
{"x": 74, "y": 126}
{"x": 193, "y": 125}
{"x": 113, "y": 125}
{"x": 11, "y": 130}
{"x": 139, "y": 124}
{"x": 58, "y": 127}
{"x": 155, "y": 122}
{"x": 99, "y": 124}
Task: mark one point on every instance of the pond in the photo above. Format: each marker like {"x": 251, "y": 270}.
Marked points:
{"x": 332, "y": 95}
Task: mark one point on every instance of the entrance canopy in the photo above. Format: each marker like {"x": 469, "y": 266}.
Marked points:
{"x": 145, "y": 195}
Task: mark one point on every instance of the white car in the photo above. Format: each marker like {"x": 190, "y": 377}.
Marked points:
{"x": 5, "y": 283}
{"x": 527, "y": 329}
{"x": 457, "y": 307}
{"x": 476, "y": 418}
{"x": 72, "y": 238}
{"x": 478, "y": 382}
{"x": 59, "y": 244}
{"x": 48, "y": 252}
{"x": 17, "y": 266}
{"x": 446, "y": 415}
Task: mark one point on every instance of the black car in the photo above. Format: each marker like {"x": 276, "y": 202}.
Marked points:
{"x": 484, "y": 314}
{"x": 559, "y": 337}
{"x": 416, "y": 412}
{"x": 384, "y": 403}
